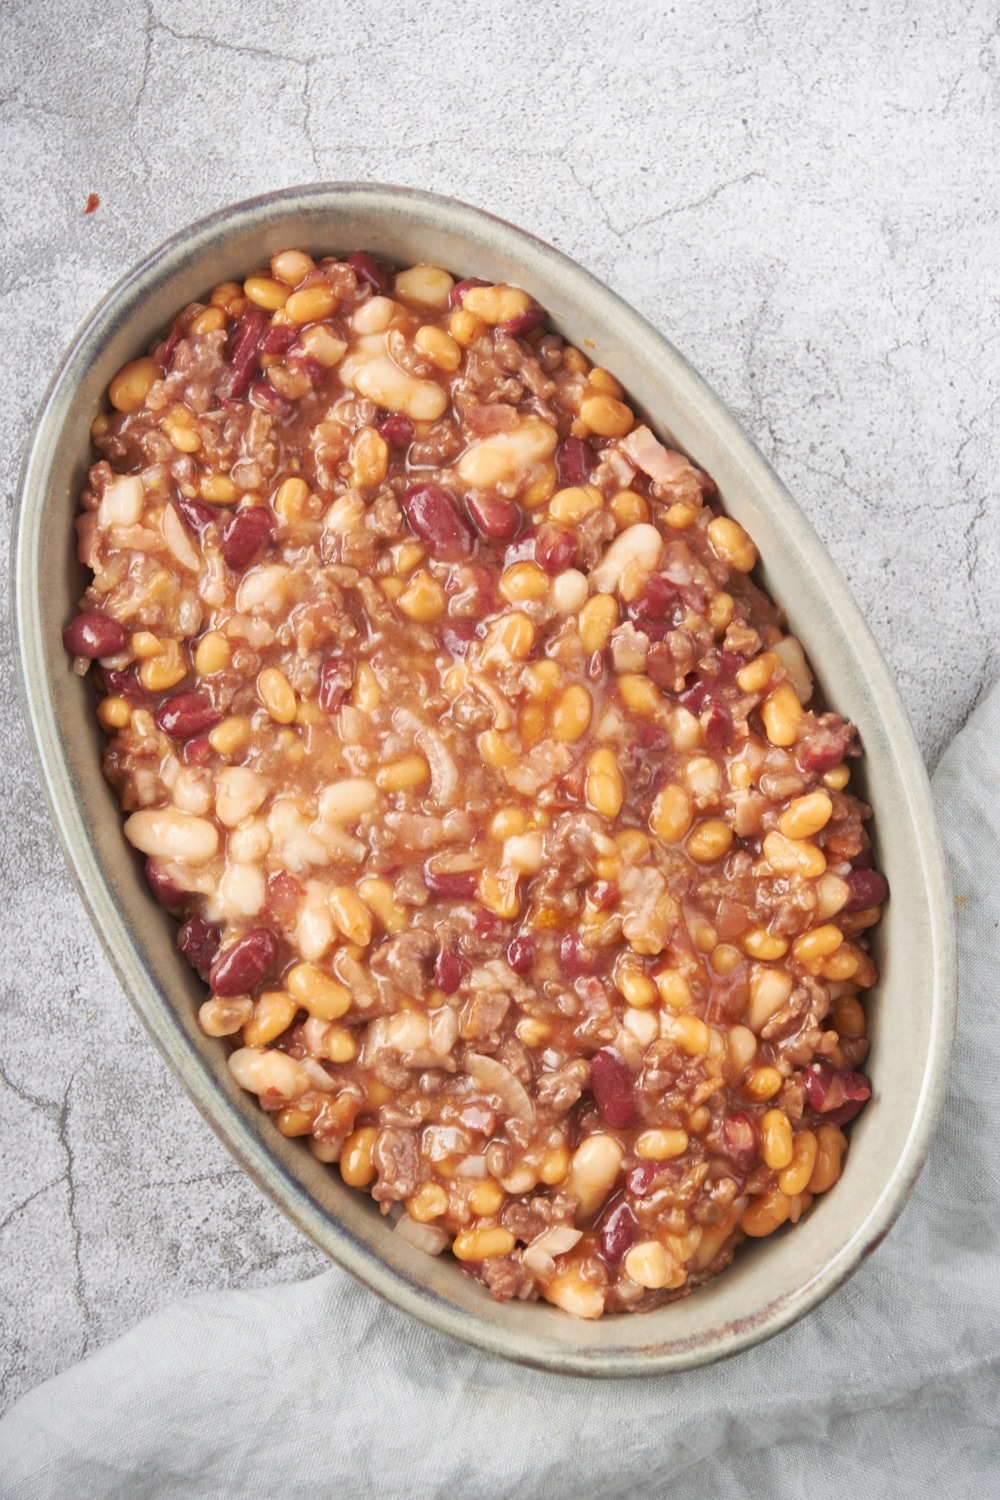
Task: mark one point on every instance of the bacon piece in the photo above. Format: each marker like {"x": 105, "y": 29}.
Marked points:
{"x": 648, "y": 454}
{"x": 490, "y": 419}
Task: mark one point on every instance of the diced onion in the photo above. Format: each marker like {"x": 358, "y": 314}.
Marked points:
{"x": 426, "y": 1237}
{"x": 178, "y": 540}
{"x": 494, "y": 1078}
{"x": 444, "y": 772}
{"x": 122, "y": 502}
{"x": 555, "y": 1241}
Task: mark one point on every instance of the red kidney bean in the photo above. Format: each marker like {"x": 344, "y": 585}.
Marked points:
{"x": 835, "y": 1095}
{"x": 187, "y": 714}
{"x": 619, "y": 1228}
{"x": 868, "y": 888}
{"x": 456, "y": 885}
{"x": 857, "y": 1093}
{"x": 574, "y": 461}
{"x": 577, "y": 959}
{"x": 95, "y": 634}
{"x": 278, "y": 339}
{"x": 524, "y": 322}
{"x": 818, "y": 1079}
{"x": 241, "y": 350}
{"x": 640, "y": 1179}
{"x": 458, "y": 291}
{"x": 397, "y": 430}
{"x": 243, "y": 964}
{"x": 739, "y": 1140}
{"x": 162, "y": 886}
{"x": 718, "y": 727}
{"x": 521, "y": 953}
{"x": 865, "y": 860}
{"x": 613, "y": 1089}
{"x": 556, "y": 549}
{"x": 245, "y": 537}
{"x": 488, "y": 924}
{"x": 435, "y": 518}
{"x": 263, "y": 394}
{"x": 335, "y": 678}
{"x": 494, "y": 517}
{"x": 311, "y": 368}
{"x": 659, "y": 600}
{"x": 694, "y": 694}
{"x": 170, "y": 347}
{"x": 365, "y": 269}
{"x": 126, "y": 684}
{"x": 449, "y": 971}
{"x": 198, "y": 752}
{"x": 199, "y": 940}
{"x": 824, "y": 747}
{"x": 196, "y": 513}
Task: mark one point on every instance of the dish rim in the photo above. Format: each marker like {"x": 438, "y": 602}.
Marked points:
{"x": 268, "y": 1165}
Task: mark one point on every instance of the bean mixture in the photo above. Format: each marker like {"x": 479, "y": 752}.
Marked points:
{"x": 496, "y": 805}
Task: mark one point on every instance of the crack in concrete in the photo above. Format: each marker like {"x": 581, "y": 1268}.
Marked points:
{"x": 239, "y": 48}
{"x": 972, "y": 557}
{"x": 695, "y": 203}
{"x": 58, "y": 1114}
{"x": 147, "y": 52}
{"x": 79, "y": 1285}
{"x": 48, "y": 1106}
{"x": 761, "y": 410}
{"x": 592, "y": 193}
{"x": 665, "y": 213}
{"x": 20, "y": 1207}
{"x": 307, "y": 118}
{"x": 862, "y": 495}
{"x": 223, "y": 1174}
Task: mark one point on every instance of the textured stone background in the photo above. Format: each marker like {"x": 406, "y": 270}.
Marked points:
{"x": 803, "y": 196}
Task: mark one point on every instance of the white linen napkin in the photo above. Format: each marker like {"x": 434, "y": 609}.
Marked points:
{"x": 320, "y": 1389}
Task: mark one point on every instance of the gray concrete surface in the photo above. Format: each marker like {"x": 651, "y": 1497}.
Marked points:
{"x": 803, "y": 196}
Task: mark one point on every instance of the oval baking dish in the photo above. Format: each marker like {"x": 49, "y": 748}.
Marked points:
{"x": 770, "y": 1283}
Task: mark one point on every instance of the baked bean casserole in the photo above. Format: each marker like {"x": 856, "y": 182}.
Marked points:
{"x": 496, "y": 805}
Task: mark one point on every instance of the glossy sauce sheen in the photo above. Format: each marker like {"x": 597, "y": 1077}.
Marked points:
{"x": 494, "y": 802}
